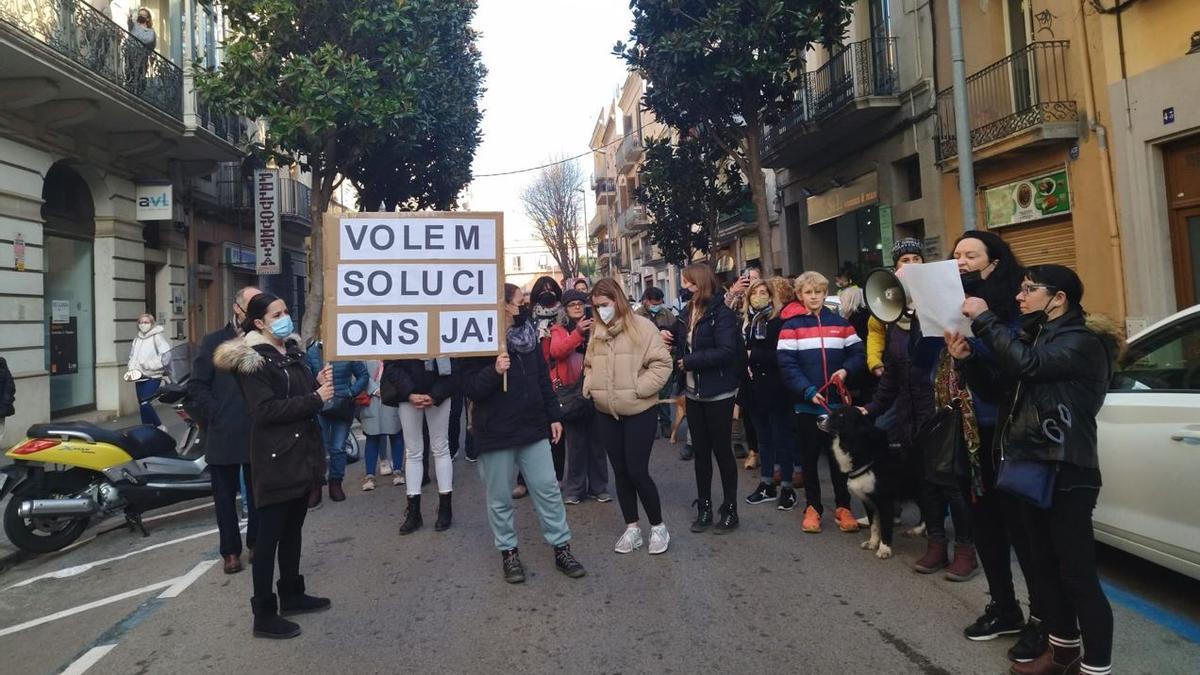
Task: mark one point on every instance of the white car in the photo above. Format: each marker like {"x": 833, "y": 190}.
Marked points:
{"x": 1149, "y": 445}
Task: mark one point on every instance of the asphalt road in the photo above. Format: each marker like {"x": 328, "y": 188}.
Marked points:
{"x": 764, "y": 599}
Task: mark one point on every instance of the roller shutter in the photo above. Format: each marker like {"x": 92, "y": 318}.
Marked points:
{"x": 1041, "y": 244}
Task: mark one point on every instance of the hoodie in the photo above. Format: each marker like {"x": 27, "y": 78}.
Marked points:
{"x": 812, "y": 347}
{"x": 150, "y": 354}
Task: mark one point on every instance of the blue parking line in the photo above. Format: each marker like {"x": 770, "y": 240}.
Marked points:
{"x": 1184, "y": 627}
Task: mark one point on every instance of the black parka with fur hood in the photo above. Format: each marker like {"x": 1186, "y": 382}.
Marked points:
{"x": 286, "y": 452}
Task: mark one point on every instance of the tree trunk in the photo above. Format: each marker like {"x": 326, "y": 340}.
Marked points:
{"x": 758, "y": 191}
{"x": 315, "y": 300}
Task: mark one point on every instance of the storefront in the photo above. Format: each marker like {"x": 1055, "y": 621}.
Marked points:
{"x": 846, "y": 229}
{"x": 1033, "y": 214}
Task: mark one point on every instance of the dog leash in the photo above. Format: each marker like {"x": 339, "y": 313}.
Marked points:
{"x": 840, "y": 387}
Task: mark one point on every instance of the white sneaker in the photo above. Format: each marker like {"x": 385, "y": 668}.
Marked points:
{"x": 385, "y": 467}
{"x": 630, "y": 541}
{"x": 660, "y": 539}
{"x": 368, "y": 483}
{"x": 397, "y": 479}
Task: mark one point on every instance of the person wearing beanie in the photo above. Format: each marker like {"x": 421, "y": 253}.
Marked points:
{"x": 904, "y": 251}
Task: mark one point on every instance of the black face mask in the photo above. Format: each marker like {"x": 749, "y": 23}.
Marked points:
{"x": 522, "y": 316}
{"x": 971, "y": 281}
{"x": 547, "y": 299}
{"x": 686, "y": 295}
{"x": 1030, "y": 321}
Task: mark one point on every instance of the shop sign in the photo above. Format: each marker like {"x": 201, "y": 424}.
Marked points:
{"x": 861, "y": 192}
{"x": 751, "y": 248}
{"x": 266, "y": 220}
{"x": 155, "y": 201}
{"x": 239, "y": 256}
{"x": 887, "y": 236}
{"x": 1026, "y": 200}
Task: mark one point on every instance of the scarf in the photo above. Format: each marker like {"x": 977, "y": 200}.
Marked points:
{"x": 545, "y": 317}
{"x": 523, "y": 339}
{"x": 946, "y": 388}
{"x": 756, "y": 325}
{"x": 441, "y": 364}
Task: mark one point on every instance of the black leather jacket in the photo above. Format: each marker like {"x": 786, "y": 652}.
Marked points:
{"x": 1061, "y": 372}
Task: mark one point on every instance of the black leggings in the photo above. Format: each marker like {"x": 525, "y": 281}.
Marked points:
{"x": 998, "y": 529}
{"x": 1064, "y": 557}
{"x": 935, "y": 500}
{"x": 813, "y": 444}
{"x": 711, "y": 425}
{"x": 279, "y": 527}
{"x": 628, "y": 441}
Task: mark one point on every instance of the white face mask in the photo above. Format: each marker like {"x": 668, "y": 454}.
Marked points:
{"x": 145, "y": 327}
{"x": 606, "y": 313}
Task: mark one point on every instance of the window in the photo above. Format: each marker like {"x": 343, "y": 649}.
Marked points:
{"x": 516, "y": 263}
{"x": 907, "y": 173}
{"x": 543, "y": 262}
{"x": 1168, "y": 360}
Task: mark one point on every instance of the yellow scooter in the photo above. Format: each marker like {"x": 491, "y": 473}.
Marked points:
{"x": 66, "y": 475}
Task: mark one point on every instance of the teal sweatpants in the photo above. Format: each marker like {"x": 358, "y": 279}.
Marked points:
{"x": 496, "y": 467}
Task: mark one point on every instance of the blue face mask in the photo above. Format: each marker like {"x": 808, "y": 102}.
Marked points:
{"x": 654, "y": 309}
{"x": 282, "y": 327}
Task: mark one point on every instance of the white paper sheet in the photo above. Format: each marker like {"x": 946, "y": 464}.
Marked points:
{"x": 936, "y": 291}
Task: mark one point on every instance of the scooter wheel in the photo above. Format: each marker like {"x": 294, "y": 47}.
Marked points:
{"x": 27, "y": 535}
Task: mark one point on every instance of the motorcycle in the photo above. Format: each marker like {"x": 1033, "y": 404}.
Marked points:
{"x": 67, "y": 475}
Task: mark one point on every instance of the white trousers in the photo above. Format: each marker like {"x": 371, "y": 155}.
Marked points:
{"x": 437, "y": 418}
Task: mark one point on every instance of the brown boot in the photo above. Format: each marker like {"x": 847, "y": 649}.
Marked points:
{"x": 965, "y": 566}
{"x": 1053, "y": 661}
{"x": 935, "y": 558}
{"x": 336, "y": 493}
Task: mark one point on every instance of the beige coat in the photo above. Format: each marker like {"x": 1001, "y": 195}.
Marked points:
{"x": 626, "y": 365}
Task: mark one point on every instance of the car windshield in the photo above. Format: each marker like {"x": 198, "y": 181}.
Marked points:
{"x": 1169, "y": 359}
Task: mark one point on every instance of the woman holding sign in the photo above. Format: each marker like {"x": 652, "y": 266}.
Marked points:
{"x": 516, "y": 415}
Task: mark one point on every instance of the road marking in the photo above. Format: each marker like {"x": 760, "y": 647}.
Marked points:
{"x": 188, "y": 579}
{"x": 80, "y": 569}
{"x": 1185, "y": 628}
{"x": 160, "y": 516}
{"x": 88, "y": 660}
{"x": 83, "y": 608}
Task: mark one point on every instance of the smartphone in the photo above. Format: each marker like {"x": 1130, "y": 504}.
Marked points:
{"x": 587, "y": 311}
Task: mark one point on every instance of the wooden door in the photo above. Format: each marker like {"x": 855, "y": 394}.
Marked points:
{"x": 1182, "y": 164}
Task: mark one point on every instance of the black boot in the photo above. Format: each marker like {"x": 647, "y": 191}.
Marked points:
{"x": 445, "y": 515}
{"x": 566, "y": 563}
{"x": 412, "y": 517}
{"x": 729, "y": 519}
{"x": 293, "y": 599}
{"x": 704, "y": 518}
{"x": 514, "y": 571}
{"x": 267, "y": 622}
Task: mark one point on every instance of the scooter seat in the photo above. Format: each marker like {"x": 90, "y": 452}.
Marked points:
{"x": 140, "y": 441}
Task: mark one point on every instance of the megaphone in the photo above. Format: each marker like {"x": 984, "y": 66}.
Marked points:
{"x": 885, "y": 296}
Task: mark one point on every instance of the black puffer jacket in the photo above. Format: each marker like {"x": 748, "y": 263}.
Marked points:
{"x": 286, "y": 452}
{"x": 515, "y": 418}
{"x": 715, "y": 356}
{"x": 402, "y": 379}
{"x": 764, "y": 386}
{"x": 905, "y": 388}
{"x": 1062, "y": 370}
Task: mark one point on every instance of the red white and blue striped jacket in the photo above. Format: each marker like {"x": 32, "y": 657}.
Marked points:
{"x": 811, "y": 348}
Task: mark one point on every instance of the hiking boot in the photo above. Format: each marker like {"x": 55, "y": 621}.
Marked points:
{"x": 336, "y": 493}
{"x": 445, "y": 514}
{"x": 764, "y": 493}
{"x": 267, "y": 622}
{"x": 935, "y": 558}
{"x": 514, "y": 571}
{"x": 965, "y": 566}
{"x": 787, "y": 499}
{"x": 368, "y": 484}
{"x": 845, "y": 520}
{"x": 994, "y": 622}
{"x": 293, "y": 599}
{"x": 751, "y": 461}
{"x": 728, "y": 521}
{"x": 660, "y": 539}
{"x": 630, "y": 541}
{"x": 1031, "y": 643}
{"x": 812, "y": 521}
{"x": 1054, "y": 661}
{"x": 704, "y": 517}
{"x": 412, "y": 516}
{"x": 566, "y": 563}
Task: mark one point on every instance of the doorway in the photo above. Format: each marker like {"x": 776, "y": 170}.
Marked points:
{"x": 1182, "y": 164}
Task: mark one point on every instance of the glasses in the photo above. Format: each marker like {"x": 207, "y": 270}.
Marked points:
{"x": 1026, "y": 289}
{"x": 575, "y": 305}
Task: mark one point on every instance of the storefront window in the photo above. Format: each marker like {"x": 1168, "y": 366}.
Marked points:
{"x": 859, "y": 243}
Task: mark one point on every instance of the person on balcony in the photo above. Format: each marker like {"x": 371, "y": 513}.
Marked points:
{"x": 137, "y": 54}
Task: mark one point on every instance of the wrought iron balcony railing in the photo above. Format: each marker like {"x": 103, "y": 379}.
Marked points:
{"x": 630, "y": 151}
{"x": 1025, "y": 89}
{"x": 227, "y": 127}
{"x": 237, "y": 192}
{"x": 79, "y": 32}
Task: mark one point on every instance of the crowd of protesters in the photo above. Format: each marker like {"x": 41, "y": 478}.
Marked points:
{"x": 587, "y": 381}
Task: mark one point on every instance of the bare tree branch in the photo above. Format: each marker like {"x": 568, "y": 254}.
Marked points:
{"x": 553, "y": 202}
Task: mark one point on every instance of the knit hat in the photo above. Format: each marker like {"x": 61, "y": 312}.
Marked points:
{"x": 906, "y": 246}
{"x": 572, "y": 295}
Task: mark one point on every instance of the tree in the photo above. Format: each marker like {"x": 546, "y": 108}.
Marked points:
{"x": 685, "y": 187}
{"x": 729, "y": 68}
{"x": 331, "y": 79}
{"x": 552, "y": 202}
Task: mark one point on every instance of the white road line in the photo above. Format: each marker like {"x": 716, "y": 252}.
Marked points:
{"x": 186, "y": 580}
{"x": 89, "y": 659}
{"x": 172, "y": 514}
{"x": 83, "y": 608}
{"x": 80, "y": 569}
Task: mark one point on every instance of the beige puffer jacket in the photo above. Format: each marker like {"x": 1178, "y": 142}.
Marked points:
{"x": 626, "y": 365}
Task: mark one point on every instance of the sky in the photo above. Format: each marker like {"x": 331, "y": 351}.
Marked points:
{"x": 550, "y": 72}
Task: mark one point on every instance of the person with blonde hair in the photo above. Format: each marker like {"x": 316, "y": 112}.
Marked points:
{"x": 149, "y": 364}
{"x": 625, "y": 366}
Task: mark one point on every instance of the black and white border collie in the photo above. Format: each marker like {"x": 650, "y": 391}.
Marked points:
{"x": 877, "y": 474}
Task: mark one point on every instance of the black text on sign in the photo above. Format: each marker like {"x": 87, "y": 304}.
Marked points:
{"x": 404, "y": 284}
{"x": 384, "y": 333}
{"x": 417, "y": 239}
{"x": 468, "y": 331}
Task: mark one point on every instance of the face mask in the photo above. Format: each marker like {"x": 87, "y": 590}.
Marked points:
{"x": 971, "y": 281}
{"x": 606, "y": 313}
{"x": 1036, "y": 318}
{"x": 145, "y": 327}
{"x": 686, "y": 295}
{"x": 654, "y": 309}
{"x": 522, "y": 315}
{"x": 282, "y": 327}
{"x": 759, "y": 302}
{"x": 547, "y": 299}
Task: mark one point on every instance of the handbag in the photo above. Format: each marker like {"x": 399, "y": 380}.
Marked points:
{"x": 570, "y": 397}
{"x": 1031, "y": 480}
{"x": 943, "y": 446}
{"x": 340, "y": 408}
{"x": 363, "y": 399}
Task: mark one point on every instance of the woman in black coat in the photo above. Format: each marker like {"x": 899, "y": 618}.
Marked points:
{"x": 712, "y": 362}
{"x": 286, "y": 455}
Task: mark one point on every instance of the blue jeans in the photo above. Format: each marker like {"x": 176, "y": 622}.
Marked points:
{"x": 496, "y": 468}
{"x": 146, "y": 389}
{"x": 334, "y": 433}
{"x": 375, "y": 443}
{"x": 776, "y": 440}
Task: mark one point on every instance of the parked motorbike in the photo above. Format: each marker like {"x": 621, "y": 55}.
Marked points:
{"x": 67, "y": 475}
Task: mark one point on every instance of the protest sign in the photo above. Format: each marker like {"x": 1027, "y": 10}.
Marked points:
{"x": 413, "y": 285}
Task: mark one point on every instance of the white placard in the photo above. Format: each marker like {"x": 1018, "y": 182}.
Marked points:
{"x": 937, "y": 294}
{"x": 412, "y": 285}
{"x": 384, "y": 333}
{"x": 266, "y": 221}
{"x": 60, "y": 311}
{"x": 417, "y": 239}
{"x": 155, "y": 201}
{"x": 468, "y": 332}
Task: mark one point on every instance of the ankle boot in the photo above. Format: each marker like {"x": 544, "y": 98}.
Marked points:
{"x": 267, "y": 622}
{"x": 293, "y": 599}
{"x": 704, "y": 517}
{"x": 445, "y": 515}
{"x": 935, "y": 558}
{"x": 1054, "y": 661}
{"x": 729, "y": 519}
{"x": 336, "y": 493}
{"x": 412, "y": 517}
{"x": 965, "y": 566}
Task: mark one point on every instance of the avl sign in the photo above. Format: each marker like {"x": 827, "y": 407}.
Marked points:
{"x": 155, "y": 201}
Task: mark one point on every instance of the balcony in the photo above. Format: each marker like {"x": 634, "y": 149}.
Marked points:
{"x": 836, "y": 103}
{"x": 599, "y": 222}
{"x": 630, "y": 152}
{"x": 606, "y": 190}
{"x": 235, "y": 192}
{"x": 74, "y": 71}
{"x": 1024, "y": 97}
{"x": 633, "y": 218}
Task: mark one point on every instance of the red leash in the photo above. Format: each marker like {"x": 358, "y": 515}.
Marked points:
{"x": 838, "y": 385}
